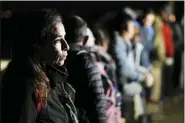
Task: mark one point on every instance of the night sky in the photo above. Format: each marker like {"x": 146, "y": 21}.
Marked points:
{"x": 87, "y": 9}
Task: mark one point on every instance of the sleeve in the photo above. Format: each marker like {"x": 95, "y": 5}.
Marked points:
{"x": 97, "y": 107}
{"x": 179, "y": 35}
{"x": 125, "y": 68}
{"x": 159, "y": 44}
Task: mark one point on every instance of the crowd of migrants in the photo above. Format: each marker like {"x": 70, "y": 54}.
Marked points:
{"x": 117, "y": 70}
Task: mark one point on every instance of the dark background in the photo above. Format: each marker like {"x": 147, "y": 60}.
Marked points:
{"x": 85, "y": 8}
{"x": 89, "y": 10}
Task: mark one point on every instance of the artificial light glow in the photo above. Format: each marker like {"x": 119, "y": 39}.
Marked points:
{"x": 3, "y": 64}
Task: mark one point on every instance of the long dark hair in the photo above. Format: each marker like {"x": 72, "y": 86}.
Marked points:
{"x": 32, "y": 33}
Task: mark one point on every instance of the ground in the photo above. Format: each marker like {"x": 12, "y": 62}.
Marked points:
{"x": 173, "y": 111}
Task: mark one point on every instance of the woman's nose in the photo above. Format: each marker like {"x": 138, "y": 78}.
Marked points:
{"x": 65, "y": 46}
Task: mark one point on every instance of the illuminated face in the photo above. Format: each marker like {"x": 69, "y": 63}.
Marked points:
{"x": 131, "y": 30}
{"x": 55, "y": 51}
{"x": 149, "y": 20}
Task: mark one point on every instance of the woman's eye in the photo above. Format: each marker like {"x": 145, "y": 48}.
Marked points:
{"x": 56, "y": 41}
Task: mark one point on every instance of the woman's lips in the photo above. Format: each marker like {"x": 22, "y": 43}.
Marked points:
{"x": 63, "y": 58}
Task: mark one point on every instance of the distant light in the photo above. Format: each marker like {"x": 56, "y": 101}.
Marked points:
{"x": 3, "y": 64}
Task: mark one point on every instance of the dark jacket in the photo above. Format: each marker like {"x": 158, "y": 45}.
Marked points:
{"x": 19, "y": 102}
{"x": 177, "y": 34}
{"x": 85, "y": 78}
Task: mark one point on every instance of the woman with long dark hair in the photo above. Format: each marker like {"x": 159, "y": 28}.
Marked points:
{"x": 33, "y": 89}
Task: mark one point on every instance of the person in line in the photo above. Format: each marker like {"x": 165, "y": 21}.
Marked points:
{"x": 129, "y": 77}
{"x": 108, "y": 74}
{"x": 101, "y": 47}
{"x": 158, "y": 59}
{"x": 147, "y": 36}
{"x": 33, "y": 89}
{"x": 84, "y": 74}
{"x": 167, "y": 72}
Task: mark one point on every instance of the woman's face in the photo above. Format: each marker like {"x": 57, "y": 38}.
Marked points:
{"x": 55, "y": 51}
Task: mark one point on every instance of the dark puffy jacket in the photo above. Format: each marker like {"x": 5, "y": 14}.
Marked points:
{"x": 107, "y": 60}
{"x": 85, "y": 78}
{"x": 20, "y": 105}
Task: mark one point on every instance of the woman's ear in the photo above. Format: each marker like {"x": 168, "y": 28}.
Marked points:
{"x": 85, "y": 40}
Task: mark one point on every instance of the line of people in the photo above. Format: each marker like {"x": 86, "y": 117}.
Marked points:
{"x": 66, "y": 71}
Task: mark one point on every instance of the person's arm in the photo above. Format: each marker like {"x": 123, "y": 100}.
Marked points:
{"x": 145, "y": 61}
{"x": 160, "y": 47}
{"x": 179, "y": 36}
{"x": 96, "y": 111}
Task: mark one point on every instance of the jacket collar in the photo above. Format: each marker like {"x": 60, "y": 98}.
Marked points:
{"x": 56, "y": 74}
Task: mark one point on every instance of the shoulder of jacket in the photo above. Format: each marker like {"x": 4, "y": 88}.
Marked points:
{"x": 82, "y": 52}
{"x": 86, "y": 54}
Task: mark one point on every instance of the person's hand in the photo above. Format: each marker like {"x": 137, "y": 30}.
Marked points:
{"x": 150, "y": 80}
{"x": 169, "y": 61}
{"x": 123, "y": 120}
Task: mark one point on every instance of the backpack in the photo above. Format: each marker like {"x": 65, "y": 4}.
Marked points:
{"x": 113, "y": 112}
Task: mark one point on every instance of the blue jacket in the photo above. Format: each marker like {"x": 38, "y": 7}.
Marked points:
{"x": 147, "y": 36}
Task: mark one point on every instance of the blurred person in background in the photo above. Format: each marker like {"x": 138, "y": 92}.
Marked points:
{"x": 101, "y": 46}
{"x": 134, "y": 14}
{"x": 84, "y": 75}
{"x": 158, "y": 58}
{"x": 139, "y": 52}
{"x": 128, "y": 75}
{"x": 169, "y": 54}
{"x": 139, "y": 58}
{"x": 33, "y": 89}
{"x": 105, "y": 61}
{"x": 182, "y": 68}
{"x": 147, "y": 35}
{"x": 182, "y": 22}
{"x": 178, "y": 49}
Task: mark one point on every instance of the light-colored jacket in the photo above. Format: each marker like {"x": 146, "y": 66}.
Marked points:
{"x": 125, "y": 61}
